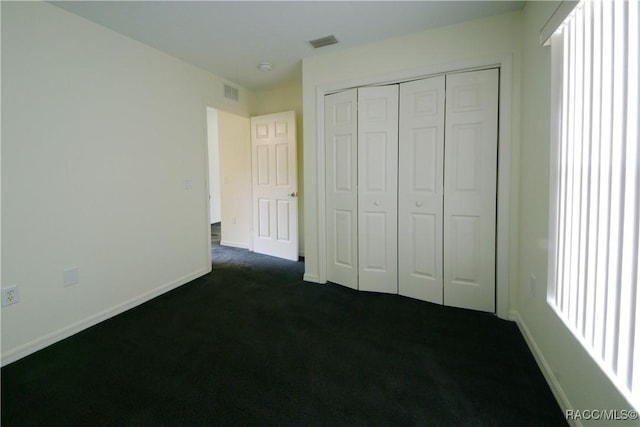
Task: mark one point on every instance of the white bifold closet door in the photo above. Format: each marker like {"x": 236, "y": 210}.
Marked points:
{"x": 448, "y": 152}
{"x": 341, "y": 150}
{"x": 378, "y": 188}
{"x": 411, "y": 188}
{"x": 420, "y": 189}
{"x": 470, "y": 171}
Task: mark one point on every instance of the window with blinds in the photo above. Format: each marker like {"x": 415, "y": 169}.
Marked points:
{"x": 593, "y": 266}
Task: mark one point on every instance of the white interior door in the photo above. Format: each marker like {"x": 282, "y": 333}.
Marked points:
{"x": 420, "y": 186}
{"x": 341, "y": 136}
{"x": 275, "y": 186}
{"x": 471, "y": 154}
{"x": 377, "y": 188}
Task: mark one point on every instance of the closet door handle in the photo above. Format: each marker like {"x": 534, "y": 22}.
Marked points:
{"x": 419, "y": 204}
{"x": 377, "y": 203}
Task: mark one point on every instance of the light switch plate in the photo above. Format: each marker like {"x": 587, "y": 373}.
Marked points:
{"x": 71, "y": 276}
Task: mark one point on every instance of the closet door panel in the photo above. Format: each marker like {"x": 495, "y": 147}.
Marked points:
{"x": 420, "y": 185}
{"x": 471, "y": 154}
{"x": 377, "y": 188}
{"x": 342, "y": 191}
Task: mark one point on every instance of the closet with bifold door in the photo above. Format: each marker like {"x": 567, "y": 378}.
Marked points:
{"x": 411, "y": 175}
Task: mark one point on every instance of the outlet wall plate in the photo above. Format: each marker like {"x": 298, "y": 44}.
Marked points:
{"x": 10, "y": 295}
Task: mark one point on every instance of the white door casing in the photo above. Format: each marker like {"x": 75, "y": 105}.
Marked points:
{"x": 275, "y": 186}
{"x": 471, "y": 157}
{"x": 420, "y": 187}
{"x": 341, "y": 129}
{"x": 377, "y": 188}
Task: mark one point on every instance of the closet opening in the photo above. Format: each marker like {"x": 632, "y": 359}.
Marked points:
{"x": 411, "y": 188}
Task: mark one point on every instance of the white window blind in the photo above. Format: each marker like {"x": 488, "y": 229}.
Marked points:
{"x": 593, "y": 266}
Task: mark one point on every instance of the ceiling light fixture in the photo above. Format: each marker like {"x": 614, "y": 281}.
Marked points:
{"x": 265, "y": 66}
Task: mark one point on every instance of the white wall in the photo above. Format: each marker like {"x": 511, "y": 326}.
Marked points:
{"x": 579, "y": 382}
{"x": 214, "y": 165}
{"x": 286, "y": 98}
{"x": 99, "y": 134}
{"x": 235, "y": 174}
{"x": 497, "y": 36}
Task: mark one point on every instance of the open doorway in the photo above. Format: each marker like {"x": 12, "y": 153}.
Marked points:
{"x": 215, "y": 210}
{"x": 229, "y": 148}
{"x": 232, "y": 199}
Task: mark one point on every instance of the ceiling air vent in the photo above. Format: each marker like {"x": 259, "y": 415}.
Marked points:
{"x": 323, "y": 41}
{"x": 231, "y": 93}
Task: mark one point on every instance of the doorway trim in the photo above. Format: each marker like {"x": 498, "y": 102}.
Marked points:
{"x": 503, "y": 211}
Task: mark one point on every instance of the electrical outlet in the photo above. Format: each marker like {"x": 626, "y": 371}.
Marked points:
{"x": 10, "y": 295}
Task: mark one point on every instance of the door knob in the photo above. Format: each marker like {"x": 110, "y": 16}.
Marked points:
{"x": 377, "y": 203}
{"x": 294, "y": 194}
{"x": 418, "y": 204}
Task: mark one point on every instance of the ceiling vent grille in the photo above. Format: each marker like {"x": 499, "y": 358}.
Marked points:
{"x": 231, "y": 93}
{"x": 323, "y": 41}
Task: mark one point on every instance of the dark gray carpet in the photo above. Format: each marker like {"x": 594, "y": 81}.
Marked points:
{"x": 252, "y": 344}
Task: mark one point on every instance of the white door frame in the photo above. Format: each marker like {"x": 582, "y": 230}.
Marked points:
{"x": 504, "y": 63}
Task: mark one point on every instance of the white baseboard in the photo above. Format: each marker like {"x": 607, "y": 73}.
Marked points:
{"x": 234, "y": 244}
{"x": 311, "y": 278}
{"x": 74, "y": 328}
{"x": 549, "y": 376}
{"x": 246, "y": 246}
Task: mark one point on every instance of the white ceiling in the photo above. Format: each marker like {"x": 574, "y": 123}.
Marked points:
{"x": 230, "y": 38}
